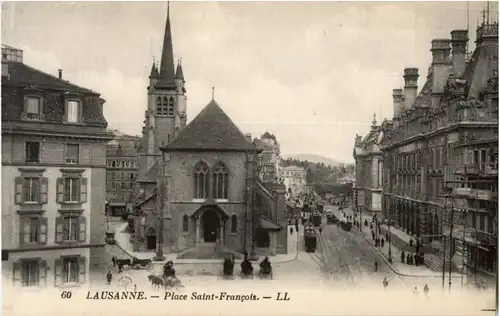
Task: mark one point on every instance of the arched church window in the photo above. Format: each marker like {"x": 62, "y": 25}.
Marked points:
{"x": 164, "y": 106}
{"x": 220, "y": 181}
{"x": 185, "y": 223}
{"x": 170, "y": 108}
{"x": 201, "y": 178}
{"x": 158, "y": 106}
{"x": 234, "y": 224}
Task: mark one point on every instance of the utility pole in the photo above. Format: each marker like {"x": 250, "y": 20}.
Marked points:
{"x": 451, "y": 243}
{"x": 443, "y": 237}
{"x": 160, "y": 203}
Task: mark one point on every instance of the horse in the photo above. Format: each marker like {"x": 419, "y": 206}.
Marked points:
{"x": 156, "y": 282}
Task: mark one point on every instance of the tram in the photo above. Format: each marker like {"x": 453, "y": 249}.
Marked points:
{"x": 310, "y": 238}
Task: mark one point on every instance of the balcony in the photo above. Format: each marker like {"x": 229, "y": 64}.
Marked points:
{"x": 469, "y": 169}
{"x": 484, "y": 238}
{"x": 473, "y": 193}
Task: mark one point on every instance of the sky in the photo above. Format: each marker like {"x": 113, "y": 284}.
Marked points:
{"x": 314, "y": 74}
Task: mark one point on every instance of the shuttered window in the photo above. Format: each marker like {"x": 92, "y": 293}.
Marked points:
{"x": 71, "y": 189}
{"x": 30, "y": 273}
{"x": 70, "y": 270}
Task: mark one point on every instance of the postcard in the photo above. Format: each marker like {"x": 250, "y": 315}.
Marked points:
{"x": 249, "y": 158}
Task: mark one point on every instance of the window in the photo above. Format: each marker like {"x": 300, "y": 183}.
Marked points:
{"x": 33, "y": 152}
{"x": 131, "y": 176}
{"x": 33, "y": 230}
{"x": 220, "y": 181}
{"x": 201, "y": 178}
{"x": 113, "y": 186}
{"x": 71, "y": 189}
{"x": 70, "y": 228}
{"x": 30, "y": 273}
{"x": 31, "y": 190}
{"x": 70, "y": 270}
{"x": 113, "y": 164}
{"x": 33, "y": 108}
{"x": 158, "y": 106}
{"x": 122, "y": 185}
{"x": 72, "y": 112}
{"x": 234, "y": 224}
{"x": 170, "y": 107}
{"x": 72, "y": 153}
{"x": 185, "y": 223}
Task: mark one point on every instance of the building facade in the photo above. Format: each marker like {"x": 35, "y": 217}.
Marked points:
{"x": 368, "y": 163}
{"x": 53, "y": 174}
{"x": 295, "y": 180}
{"x": 121, "y": 173}
{"x": 198, "y": 192}
{"x": 440, "y": 153}
{"x": 269, "y": 157}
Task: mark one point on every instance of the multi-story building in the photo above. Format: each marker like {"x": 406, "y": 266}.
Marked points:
{"x": 198, "y": 191}
{"x": 440, "y": 152}
{"x": 295, "y": 180}
{"x": 269, "y": 157}
{"x": 53, "y": 177}
{"x": 368, "y": 183}
{"x": 121, "y": 172}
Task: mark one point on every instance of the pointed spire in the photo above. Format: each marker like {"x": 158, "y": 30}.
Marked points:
{"x": 178, "y": 73}
{"x": 154, "y": 70}
{"x": 167, "y": 55}
{"x": 374, "y": 122}
{"x": 213, "y": 92}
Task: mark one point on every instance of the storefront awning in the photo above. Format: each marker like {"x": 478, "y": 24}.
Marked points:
{"x": 117, "y": 204}
{"x": 267, "y": 224}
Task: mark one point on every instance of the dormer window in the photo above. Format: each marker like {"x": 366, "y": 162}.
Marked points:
{"x": 72, "y": 111}
{"x": 33, "y": 108}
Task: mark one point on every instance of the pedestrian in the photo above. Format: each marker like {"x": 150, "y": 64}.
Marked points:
{"x": 382, "y": 242}
{"x": 411, "y": 242}
{"x": 426, "y": 290}
{"x": 415, "y": 291}
{"x": 408, "y": 259}
{"x": 402, "y": 256}
{"x": 385, "y": 283}
{"x": 291, "y": 230}
{"x": 415, "y": 259}
{"x": 109, "y": 277}
{"x": 135, "y": 287}
{"x": 320, "y": 230}
{"x": 387, "y": 236}
{"x": 376, "y": 265}
{"x": 120, "y": 268}
{"x": 113, "y": 259}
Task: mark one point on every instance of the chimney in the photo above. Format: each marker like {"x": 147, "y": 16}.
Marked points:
{"x": 411, "y": 86}
{"x": 248, "y": 136}
{"x": 60, "y": 73}
{"x": 459, "y": 39}
{"x": 397, "y": 101}
{"x": 441, "y": 67}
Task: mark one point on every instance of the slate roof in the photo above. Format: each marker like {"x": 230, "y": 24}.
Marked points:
{"x": 151, "y": 175}
{"x": 211, "y": 130}
{"x": 22, "y": 74}
{"x": 424, "y": 98}
{"x": 125, "y": 148}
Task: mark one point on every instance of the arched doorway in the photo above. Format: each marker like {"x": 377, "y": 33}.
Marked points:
{"x": 211, "y": 225}
{"x": 151, "y": 239}
{"x": 262, "y": 239}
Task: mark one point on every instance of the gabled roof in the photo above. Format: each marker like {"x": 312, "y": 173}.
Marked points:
{"x": 22, "y": 74}
{"x": 151, "y": 175}
{"x": 211, "y": 130}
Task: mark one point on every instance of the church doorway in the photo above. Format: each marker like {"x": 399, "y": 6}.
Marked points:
{"x": 211, "y": 225}
{"x": 151, "y": 239}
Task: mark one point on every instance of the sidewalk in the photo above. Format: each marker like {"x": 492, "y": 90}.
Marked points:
{"x": 123, "y": 242}
{"x": 397, "y": 266}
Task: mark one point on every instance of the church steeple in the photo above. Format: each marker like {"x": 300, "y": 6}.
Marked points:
{"x": 167, "y": 55}
{"x": 154, "y": 71}
{"x": 179, "y": 74}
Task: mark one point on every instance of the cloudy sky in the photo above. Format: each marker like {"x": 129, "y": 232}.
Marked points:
{"x": 314, "y": 74}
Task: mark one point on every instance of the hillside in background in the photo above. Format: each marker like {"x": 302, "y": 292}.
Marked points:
{"x": 313, "y": 158}
{"x": 319, "y": 172}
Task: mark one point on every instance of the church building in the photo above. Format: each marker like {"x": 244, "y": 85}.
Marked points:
{"x": 198, "y": 192}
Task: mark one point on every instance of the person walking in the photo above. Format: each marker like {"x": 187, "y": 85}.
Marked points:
{"x": 415, "y": 291}
{"x": 109, "y": 277}
{"x": 426, "y": 290}
{"x": 291, "y": 230}
{"x": 402, "y": 256}
{"x": 376, "y": 266}
{"x": 385, "y": 283}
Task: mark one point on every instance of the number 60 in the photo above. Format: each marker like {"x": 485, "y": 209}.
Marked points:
{"x": 66, "y": 294}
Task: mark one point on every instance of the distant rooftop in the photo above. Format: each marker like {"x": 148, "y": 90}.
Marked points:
{"x": 11, "y": 54}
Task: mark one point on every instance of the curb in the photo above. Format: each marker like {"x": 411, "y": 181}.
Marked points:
{"x": 390, "y": 265}
{"x": 212, "y": 261}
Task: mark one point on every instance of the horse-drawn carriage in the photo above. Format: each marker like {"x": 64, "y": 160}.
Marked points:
{"x": 141, "y": 263}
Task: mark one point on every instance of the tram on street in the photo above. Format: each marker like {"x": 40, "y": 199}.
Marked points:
{"x": 310, "y": 238}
